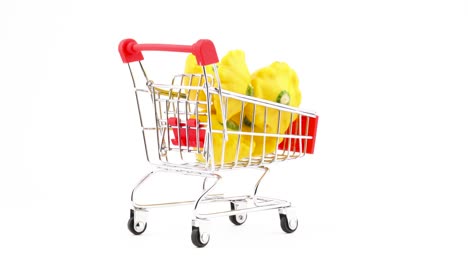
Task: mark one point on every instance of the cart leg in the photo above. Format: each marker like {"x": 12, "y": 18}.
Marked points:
{"x": 265, "y": 171}
{"x": 288, "y": 218}
{"x": 138, "y": 185}
{"x": 205, "y": 192}
{"x": 137, "y": 222}
{"x": 200, "y": 228}
{"x": 204, "y": 183}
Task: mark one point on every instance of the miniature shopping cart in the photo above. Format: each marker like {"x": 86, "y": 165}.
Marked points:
{"x": 181, "y": 136}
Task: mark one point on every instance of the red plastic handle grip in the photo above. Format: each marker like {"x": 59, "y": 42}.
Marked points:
{"x": 204, "y": 50}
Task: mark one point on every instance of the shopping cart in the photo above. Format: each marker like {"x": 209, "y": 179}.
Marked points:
{"x": 181, "y": 136}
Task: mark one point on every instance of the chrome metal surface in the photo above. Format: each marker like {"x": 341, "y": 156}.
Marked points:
{"x": 204, "y": 237}
{"x": 293, "y": 223}
{"x": 202, "y": 196}
{"x": 139, "y": 226}
{"x": 139, "y": 184}
{"x": 139, "y": 222}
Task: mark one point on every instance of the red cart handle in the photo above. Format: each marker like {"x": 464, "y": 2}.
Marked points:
{"x": 204, "y": 50}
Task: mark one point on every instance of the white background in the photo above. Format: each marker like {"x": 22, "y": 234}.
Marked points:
{"x": 388, "y": 182}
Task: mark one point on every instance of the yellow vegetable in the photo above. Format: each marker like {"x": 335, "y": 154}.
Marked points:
{"x": 192, "y": 67}
{"x": 235, "y": 77}
{"x": 230, "y": 146}
{"x": 277, "y": 83}
{"x": 259, "y": 142}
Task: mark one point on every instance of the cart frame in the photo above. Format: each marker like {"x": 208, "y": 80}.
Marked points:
{"x": 183, "y": 144}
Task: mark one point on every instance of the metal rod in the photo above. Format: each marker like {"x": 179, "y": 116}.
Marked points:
{"x": 202, "y": 196}
{"x": 266, "y": 204}
{"x": 139, "y": 183}
{"x": 247, "y": 99}
{"x": 266, "y": 170}
{"x": 280, "y": 204}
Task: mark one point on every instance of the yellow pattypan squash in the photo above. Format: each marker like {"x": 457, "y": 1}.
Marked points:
{"x": 277, "y": 83}
{"x": 235, "y": 77}
{"x": 192, "y": 67}
{"x": 230, "y": 147}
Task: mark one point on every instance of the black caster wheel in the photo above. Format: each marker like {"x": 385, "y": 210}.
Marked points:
{"x": 288, "y": 226}
{"x": 199, "y": 240}
{"x": 137, "y": 229}
{"x": 237, "y": 219}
